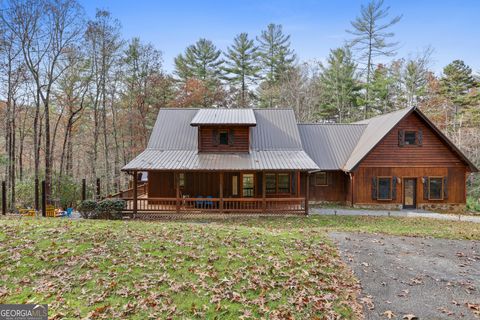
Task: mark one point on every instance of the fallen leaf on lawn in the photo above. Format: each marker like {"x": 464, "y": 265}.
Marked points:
{"x": 389, "y": 314}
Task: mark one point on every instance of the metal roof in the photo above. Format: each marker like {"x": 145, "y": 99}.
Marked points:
{"x": 275, "y": 145}
{"x": 330, "y": 145}
{"x": 152, "y": 159}
{"x": 376, "y": 129}
{"x": 224, "y": 117}
{"x": 276, "y": 130}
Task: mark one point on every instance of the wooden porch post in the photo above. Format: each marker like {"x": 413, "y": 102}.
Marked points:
{"x": 221, "y": 192}
{"x": 135, "y": 193}
{"x": 177, "y": 193}
{"x": 264, "y": 188}
{"x": 307, "y": 193}
{"x": 298, "y": 184}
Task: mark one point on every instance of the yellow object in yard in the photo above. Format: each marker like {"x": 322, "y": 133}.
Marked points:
{"x": 27, "y": 212}
{"x": 53, "y": 212}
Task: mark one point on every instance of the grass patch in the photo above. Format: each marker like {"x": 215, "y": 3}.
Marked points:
{"x": 140, "y": 270}
{"x": 418, "y": 227}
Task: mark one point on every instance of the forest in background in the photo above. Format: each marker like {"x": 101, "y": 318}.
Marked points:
{"x": 78, "y": 100}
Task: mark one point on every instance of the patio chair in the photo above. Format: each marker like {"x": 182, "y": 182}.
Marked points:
{"x": 209, "y": 204}
{"x": 199, "y": 203}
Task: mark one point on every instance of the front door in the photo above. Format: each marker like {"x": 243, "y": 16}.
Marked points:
{"x": 409, "y": 193}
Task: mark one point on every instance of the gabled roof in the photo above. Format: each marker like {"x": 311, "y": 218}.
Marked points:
{"x": 330, "y": 145}
{"x": 173, "y": 145}
{"x": 378, "y": 127}
{"x": 244, "y": 117}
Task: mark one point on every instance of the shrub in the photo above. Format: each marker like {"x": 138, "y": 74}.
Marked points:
{"x": 110, "y": 209}
{"x": 88, "y": 209}
{"x": 473, "y": 205}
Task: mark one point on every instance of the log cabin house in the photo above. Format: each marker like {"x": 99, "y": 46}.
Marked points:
{"x": 260, "y": 161}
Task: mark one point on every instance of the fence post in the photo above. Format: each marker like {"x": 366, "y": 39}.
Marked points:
{"x": 37, "y": 202}
{"x": 98, "y": 189}
{"x": 4, "y": 198}
{"x": 84, "y": 189}
{"x": 44, "y": 200}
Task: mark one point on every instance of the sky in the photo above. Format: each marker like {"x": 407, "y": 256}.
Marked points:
{"x": 450, "y": 27}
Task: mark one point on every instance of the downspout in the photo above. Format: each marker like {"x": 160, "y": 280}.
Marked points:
{"x": 350, "y": 174}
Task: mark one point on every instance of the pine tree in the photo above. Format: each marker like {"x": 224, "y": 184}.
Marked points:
{"x": 370, "y": 38}
{"x": 275, "y": 53}
{"x": 201, "y": 61}
{"x": 276, "y": 59}
{"x": 241, "y": 66}
{"x": 457, "y": 85}
{"x": 338, "y": 86}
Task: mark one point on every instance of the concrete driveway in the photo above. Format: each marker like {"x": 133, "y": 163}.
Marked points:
{"x": 403, "y": 277}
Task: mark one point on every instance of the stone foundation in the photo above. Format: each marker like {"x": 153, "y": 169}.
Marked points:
{"x": 443, "y": 207}
{"x": 379, "y": 206}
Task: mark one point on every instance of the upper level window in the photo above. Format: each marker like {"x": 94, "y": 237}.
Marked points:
{"x": 384, "y": 188}
{"x": 223, "y": 137}
{"x": 410, "y": 137}
{"x": 321, "y": 179}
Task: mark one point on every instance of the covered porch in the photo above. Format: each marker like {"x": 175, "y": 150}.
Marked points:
{"x": 218, "y": 192}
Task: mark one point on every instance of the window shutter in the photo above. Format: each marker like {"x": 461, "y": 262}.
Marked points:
{"x": 401, "y": 138}
{"x": 215, "y": 137}
{"x": 419, "y": 137}
{"x": 231, "y": 137}
{"x": 425, "y": 188}
{"x": 374, "y": 188}
{"x": 445, "y": 188}
{"x": 394, "y": 188}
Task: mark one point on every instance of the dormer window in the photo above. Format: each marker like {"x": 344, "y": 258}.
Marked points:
{"x": 223, "y": 137}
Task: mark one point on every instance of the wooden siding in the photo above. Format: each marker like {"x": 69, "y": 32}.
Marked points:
{"x": 160, "y": 184}
{"x": 433, "y": 152}
{"x": 335, "y": 190}
{"x": 455, "y": 186}
{"x": 241, "y": 139}
{"x": 433, "y": 158}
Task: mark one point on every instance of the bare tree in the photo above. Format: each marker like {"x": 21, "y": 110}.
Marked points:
{"x": 370, "y": 38}
{"x": 44, "y": 30}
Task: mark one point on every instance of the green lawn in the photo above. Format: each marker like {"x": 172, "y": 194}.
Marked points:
{"x": 225, "y": 269}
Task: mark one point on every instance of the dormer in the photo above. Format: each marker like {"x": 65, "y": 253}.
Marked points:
{"x": 224, "y": 130}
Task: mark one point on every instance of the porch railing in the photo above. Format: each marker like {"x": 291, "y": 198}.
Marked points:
{"x": 141, "y": 190}
{"x": 216, "y": 205}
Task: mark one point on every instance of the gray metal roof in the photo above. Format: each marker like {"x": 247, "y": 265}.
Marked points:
{"x": 275, "y": 145}
{"x": 276, "y": 130}
{"x": 376, "y": 129}
{"x": 152, "y": 159}
{"x": 224, "y": 117}
{"x": 330, "y": 145}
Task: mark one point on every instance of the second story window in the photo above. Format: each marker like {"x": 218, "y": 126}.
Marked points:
{"x": 410, "y": 138}
{"x": 223, "y": 137}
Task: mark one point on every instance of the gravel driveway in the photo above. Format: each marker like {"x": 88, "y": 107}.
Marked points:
{"x": 402, "y": 277}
